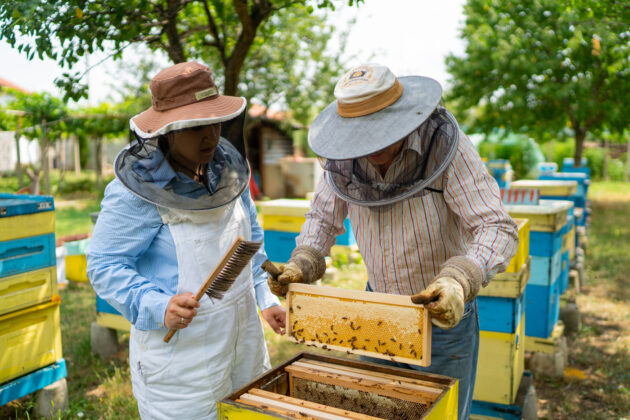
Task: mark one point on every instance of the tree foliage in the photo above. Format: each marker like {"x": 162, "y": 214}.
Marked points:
{"x": 65, "y": 30}
{"x": 540, "y": 66}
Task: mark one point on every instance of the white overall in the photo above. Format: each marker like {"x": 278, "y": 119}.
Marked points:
{"x": 223, "y": 348}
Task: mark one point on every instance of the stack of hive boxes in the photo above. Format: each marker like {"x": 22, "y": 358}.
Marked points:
{"x": 502, "y": 324}
{"x": 547, "y": 219}
{"x": 501, "y": 170}
{"x": 579, "y": 198}
{"x": 556, "y": 190}
{"x": 30, "y": 334}
{"x": 282, "y": 220}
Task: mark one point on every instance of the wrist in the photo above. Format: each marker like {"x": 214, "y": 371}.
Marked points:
{"x": 465, "y": 272}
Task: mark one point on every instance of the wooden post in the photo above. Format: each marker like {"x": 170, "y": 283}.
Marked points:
{"x": 18, "y": 166}
{"x": 77, "y": 160}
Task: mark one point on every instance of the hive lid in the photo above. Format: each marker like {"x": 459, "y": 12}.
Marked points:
{"x": 284, "y": 207}
{"x": 18, "y": 204}
{"x": 379, "y": 325}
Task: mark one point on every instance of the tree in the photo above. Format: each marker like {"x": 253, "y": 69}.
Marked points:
{"x": 541, "y": 66}
{"x": 65, "y": 30}
{"x": 43, "y": 119}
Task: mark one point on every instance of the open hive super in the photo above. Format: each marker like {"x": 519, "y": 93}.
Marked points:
{"x": 358, "y": 322}
{"x": 321, "y": 387}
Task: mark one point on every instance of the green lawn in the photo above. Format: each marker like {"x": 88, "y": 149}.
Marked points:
{"x": 101, "y": 389}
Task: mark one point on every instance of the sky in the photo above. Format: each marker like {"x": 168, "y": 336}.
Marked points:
{"x": 408, "y": 36}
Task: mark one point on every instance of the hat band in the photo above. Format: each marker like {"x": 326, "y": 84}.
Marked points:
{"x": 185, "y": 99}
{"x": 371, "y": 105}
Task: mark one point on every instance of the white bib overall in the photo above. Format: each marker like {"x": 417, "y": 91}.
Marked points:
{"x": 223, "y": 347}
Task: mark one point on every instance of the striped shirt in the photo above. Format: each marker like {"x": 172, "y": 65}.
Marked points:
{"x": 405, "y": 244}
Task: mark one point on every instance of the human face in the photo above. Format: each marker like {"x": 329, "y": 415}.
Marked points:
{"x": 384, "y": 158}
{"x": 195, "y": 146}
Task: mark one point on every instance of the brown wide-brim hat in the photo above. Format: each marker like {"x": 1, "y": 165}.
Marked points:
{"x": 184, "y": 96}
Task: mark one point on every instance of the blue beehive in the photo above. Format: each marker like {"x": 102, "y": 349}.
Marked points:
{"x": 568, "y": 166}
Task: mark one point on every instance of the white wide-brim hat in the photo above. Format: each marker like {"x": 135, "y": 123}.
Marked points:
{"x": 373, "y": 110}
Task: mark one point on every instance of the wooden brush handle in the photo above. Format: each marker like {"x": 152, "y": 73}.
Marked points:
{"x": 270, "y": 268}
{"x": 210, "y": 279}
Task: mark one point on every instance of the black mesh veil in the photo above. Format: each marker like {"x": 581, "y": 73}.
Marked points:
{"x": 234, "y": 172}
{"x": 351, "y": 179}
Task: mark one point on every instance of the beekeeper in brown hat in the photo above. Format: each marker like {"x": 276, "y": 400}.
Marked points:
{"x": 426, "y": 214}
{"x": 178, "y": 202}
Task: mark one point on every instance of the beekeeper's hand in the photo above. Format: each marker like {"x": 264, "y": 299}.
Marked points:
{"x": 276, "y": 318}
{"x": 458, "y": 282}
{"x": 306, "y": 265}
{"x": 444, "y": 298}
{"x": 180, "y": 311}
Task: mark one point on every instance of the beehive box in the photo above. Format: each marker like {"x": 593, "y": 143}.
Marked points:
{"x": 510, "y": 285}
{"x": 27, "y": 289}
{"x": 380, "y": 325}
{"x": 322, "y": 387}
{"x": 282, "y": 220}
{"x": 542, "y": 308}
{"x": 546, "y": 216}
{"x": 108, "y": 316}
{"x": 581, "y": 178}
{"x": 500, "y": 365}
{"x": 556, "y": 188}
{"x": 29, "y": 339}
{"x": 522, "y": 252}
{"x": 22, "y": 216}
{"x": 27, "y": 254}
{"x": 545, "y": 270}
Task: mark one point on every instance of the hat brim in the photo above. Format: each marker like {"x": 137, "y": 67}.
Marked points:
{"x": 152, "y": 123}
{"x": 332, "y": 136}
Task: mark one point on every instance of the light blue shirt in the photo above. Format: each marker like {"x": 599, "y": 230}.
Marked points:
{"x": 131, "y": 259}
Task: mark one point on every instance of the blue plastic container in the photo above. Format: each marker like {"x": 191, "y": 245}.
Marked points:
{"x": 542, "y": 309}
{"x": 500, "y": 314}
{"x": 27, "y": 254}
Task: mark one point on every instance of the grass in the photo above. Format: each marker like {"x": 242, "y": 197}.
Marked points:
{"x": 599, "y": 352}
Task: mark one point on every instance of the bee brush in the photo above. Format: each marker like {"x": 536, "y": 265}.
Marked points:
{"x": 225, "y": 273}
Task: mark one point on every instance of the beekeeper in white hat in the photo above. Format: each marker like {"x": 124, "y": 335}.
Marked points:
{"x": 426, "y": 214}
{"x": 178, "y": 202}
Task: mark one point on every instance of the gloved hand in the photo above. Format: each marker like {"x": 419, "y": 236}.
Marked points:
{"x": 306, "y": 265}
{"x": 458, "y": 282}
{"x": 444, "y": 298}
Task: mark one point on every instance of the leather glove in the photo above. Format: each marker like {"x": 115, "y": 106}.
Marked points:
{"x": 306, "y": 265}
{"x": 444, "y": 298}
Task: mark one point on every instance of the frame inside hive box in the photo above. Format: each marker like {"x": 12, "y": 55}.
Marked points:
{"x": 322, "y": 387}
{"x": 372, "y": 324}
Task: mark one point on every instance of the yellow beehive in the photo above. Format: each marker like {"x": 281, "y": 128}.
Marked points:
{"x": 76, "y": 268}
{"x": 568, "y": 243}
{"x": 27, "y": 225}
{"x": 500, "y": 365}
{"x": 27, "y": 289}
{"x": 548, "y": 187}
{"x": 546, "y": 216}
{"x": 29, "y": 339}
{"x": 508, "y": 285}
{"x": 283, "y": 215}
{"x": 321, "y": 387}
{"x": 359, "y": 322}
{"x": 516, "y": 263}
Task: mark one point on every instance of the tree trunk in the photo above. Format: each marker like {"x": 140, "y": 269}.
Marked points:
{"x": 98, "y": 160}
{"x": 44, "y": 144}
{"x": 580, "y": 135}
{"x": 34, "y": 177}
{"x": 77, "y": 159}
{"x": 18, "y": 165}
{"x": 61, "y": 162}
{"x": 605, "y": 162}
{"x": 627, "y": 177}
